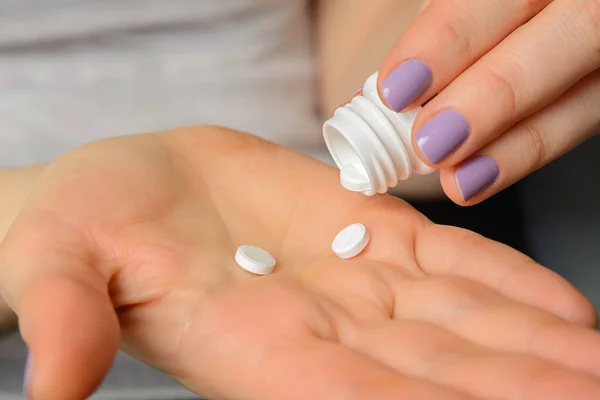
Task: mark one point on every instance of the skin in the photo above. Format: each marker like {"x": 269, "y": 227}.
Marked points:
{"x": 130, "y": 242}
{"x": 15, "y": 185}
{"x": 525, "y": 74}
{"x": 341, "y": 70}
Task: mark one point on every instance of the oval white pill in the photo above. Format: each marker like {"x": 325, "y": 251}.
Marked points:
{"x": 254, "y": 259}
{"x": 350, "y": 241}
{"x": 354, "y": 178}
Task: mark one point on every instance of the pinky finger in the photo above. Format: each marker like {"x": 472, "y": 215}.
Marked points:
{"x": 527, "y": 146}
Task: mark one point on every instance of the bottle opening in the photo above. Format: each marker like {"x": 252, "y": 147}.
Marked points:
{"x": 353, "y": 175}
{"x": 339, "y": 147}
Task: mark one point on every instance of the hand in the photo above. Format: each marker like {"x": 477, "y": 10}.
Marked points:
{"x": 132, "y": 240}
{"x": 517, "y": 84}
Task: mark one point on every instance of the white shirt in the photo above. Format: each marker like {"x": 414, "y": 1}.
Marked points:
{"x": 76, "y": 71}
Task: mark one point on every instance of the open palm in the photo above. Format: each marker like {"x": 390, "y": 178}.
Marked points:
{"x": 147, "y": 225}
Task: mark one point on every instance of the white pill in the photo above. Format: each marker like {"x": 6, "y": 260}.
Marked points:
{"x": 354, "y": 177}
{"x": 254, "y": 259}
{"x": 350, "y": 241}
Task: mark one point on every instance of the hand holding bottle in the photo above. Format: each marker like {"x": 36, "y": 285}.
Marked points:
{"x": 516, "y": 85}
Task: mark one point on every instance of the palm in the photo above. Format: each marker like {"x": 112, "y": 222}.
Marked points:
{"x": 425, "y": 312}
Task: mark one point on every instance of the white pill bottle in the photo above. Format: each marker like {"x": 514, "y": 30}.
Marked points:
{"x": 371, "y": 144}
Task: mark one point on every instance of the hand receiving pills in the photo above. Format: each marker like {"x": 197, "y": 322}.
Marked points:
{"x": 131, "y": 242}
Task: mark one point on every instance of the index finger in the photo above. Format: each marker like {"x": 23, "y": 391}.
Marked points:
{"x": 444, "y": 40}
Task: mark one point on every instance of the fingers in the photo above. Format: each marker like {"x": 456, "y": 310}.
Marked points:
{"x": 326, "y": 370}
{"x": 446, "y": 38}
{"x": 446, "y": 359}
{"x": 449, "y": 251}
{"x": 531, "y": 68}
{"x": 531, "y": 144}
{"x": 483, "y": 317}
{"x": 280, "y": 341}
{"x": 65, "y": 314}
{"x": 335, "y": 371}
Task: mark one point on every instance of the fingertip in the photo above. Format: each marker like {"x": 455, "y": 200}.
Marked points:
{"x": 584, "y": 312}
{"x": 471, "y": 182}
{"x": 575, "y": 307}
{"x": 569, "y": 303}
{"x": 417, "y": 147}
{"x": 450, "y": 187}
{"x": 538, "y": 286}
{"x": 27, "y": 376}
{"x": 72, "y": 333}
{"x": 405, "y": 85}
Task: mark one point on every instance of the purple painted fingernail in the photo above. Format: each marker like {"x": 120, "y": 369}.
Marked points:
{"x": 405, "y": 84}
{"x": 441, "y": 135}
{"x": 475, "y": 175}
{"x": 27, "y": 375}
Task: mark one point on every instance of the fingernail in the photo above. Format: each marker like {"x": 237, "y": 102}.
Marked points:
{"x": 405, "y": 84}
{"x": 27, "y": 375}
{"x": 475, "y": 175}
{"x": 441, "y": 135}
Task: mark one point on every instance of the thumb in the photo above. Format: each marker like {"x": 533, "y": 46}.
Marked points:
{"x": 65, "y": 313}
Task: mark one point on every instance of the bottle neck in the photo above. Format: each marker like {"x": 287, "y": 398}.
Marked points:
{"x": 365, "y": 137}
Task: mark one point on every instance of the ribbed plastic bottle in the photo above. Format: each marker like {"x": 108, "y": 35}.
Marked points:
{"x": 371, "y": 144}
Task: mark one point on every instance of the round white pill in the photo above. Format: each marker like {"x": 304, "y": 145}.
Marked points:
{"x": 254, "y": 259}
{"x": 350, "y": 241}
{"x": 354, "y": 178}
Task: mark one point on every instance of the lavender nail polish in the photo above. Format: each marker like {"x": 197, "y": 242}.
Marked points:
{"x": 405, "y": 84}
{"x": 475, "y": 175}
{"x": 441, "y": 135}
{"x": 27, "y": 375}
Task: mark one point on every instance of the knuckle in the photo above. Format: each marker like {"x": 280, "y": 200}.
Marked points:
{"x": 455, "y": 32}
{"x": 535, "y": 143}
{"x": 501, "y": 84}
